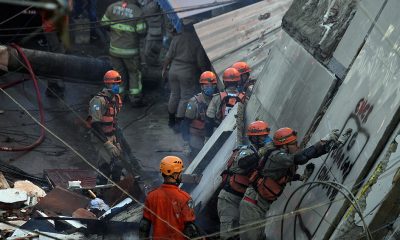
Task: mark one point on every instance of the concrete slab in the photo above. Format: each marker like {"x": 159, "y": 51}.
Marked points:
{"x": 368, "y": 102}
{"x": 290, "y": 89}
{"x": 355, "y": 35}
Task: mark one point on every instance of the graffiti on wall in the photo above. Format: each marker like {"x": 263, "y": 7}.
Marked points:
{"x": 340, "y": 162}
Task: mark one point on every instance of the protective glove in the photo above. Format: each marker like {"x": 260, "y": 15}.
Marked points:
{"x": 112, "y": 149}
{"x": 333, "y": 136}
{"x": 345, "y": 136}
{"x": 186, "y": 149}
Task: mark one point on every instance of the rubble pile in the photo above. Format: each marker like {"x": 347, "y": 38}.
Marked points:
{"x": 67, "y": 204}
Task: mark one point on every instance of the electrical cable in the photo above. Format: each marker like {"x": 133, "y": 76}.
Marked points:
{"x": 40, "y": 106}
{"x": 332, "y": 185}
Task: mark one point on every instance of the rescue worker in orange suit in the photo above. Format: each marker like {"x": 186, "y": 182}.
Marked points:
{"x": 246, "y": 83}
{"x": 223, "y": 102}
{"x": 103, "y": 111}
{"x": 277, "y": 168}
{"x": 124, "y": 46}
{"x": 241, "y": 164}
{"x": 168, "y": 209}
{"x": 193, "y": 132}
{"x": 186, "y": 59}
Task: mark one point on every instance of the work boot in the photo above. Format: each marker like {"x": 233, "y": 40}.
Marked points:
{"x": 171, "y": 120}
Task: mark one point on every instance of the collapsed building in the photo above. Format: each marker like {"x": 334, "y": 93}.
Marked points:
{"x": 319, "y": 65}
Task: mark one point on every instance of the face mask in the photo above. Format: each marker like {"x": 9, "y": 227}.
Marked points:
{"x": 267, "y": 140}
{"x": 115, "y": 89}
{"x": 208, "y": 90}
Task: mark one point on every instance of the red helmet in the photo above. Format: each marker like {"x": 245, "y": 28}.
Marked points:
{"x": 111, "y": 77}
{"x": 284, "y": 136}
{"x": 258, "y": 128}
{"x": 242, "y": 67}
{"x": 231, "y": 75}
{"x": 208, "y": 77}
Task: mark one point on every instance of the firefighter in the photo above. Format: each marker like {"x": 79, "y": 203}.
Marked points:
{"x": 168, "y": 203}
{"x": 124, "y": 45}
{"x": 154, "y": 37}
{"x": 195, "y": 115}
{"x": 103, "y": 110}
{"x": 186, "y": 60}
{"x": 246, "y": 82}
{"x": 278, "y": 168}
{"x": 240, "y": 166}
{"x": 223, "y": 102}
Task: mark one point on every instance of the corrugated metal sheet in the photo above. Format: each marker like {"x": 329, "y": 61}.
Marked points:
{"x": 245, "y": 34}
{"x": 180, "y": 6}
{"x": 60, "y": 177}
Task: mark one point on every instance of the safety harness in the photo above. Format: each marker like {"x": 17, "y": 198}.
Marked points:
{"x": 234, "y": 182}
{"x": 265, "y": 186}
{"x": 113, "y": 106}
{"x": 228, "y": 101}
{"x": 197, "y": 125}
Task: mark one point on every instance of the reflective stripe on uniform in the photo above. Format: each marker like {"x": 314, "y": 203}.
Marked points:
{"x": 105, "y": 19}
{"x": 122, "y": 27}
{"x": 124, "y": 51}
{"x": 141, "y": 27}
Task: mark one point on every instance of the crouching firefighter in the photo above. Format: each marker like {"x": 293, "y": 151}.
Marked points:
{"x": 279, "y": 168}
{"x": 103, "y": 110}
{"x": 168, "y": 209}
{"x": 193, "y": 126}
{"x": 235, "y": 178}
{"x": 223, "y": 102}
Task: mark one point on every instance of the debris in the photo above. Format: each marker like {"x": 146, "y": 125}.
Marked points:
{"x": 74, "y": 184}
{"x": 99, "y": 204}
{"x": 83, "y": 213}
{"x": 12, "y": 195}
{"x": 3, "y": 182}
{"x": 62, "y": 177}
{"x": 114, "y": 195}
{"x": 31, "y": 189}
{"x": 62, "y": 201}
{"x": 117, "y": 208}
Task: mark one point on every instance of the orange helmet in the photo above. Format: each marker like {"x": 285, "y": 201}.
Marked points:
{"x": 111, "y": 77}
{"x": 258, "y": 128}
{"x": 170, "y": 165}
{"x": 208, "y": 77}
{"x": 284, "y": 136}
{"x": 231, "y": 75}
{"x": 242, "y": 67}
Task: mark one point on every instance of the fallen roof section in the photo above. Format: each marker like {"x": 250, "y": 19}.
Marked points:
{"x": 245, "y": 34}
{"x": 188, "y": 8}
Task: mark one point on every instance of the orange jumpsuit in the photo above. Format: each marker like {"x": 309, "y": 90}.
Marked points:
{"x": 174, "y": 206}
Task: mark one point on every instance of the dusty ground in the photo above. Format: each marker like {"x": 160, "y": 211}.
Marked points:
{"x": 145, "y": 129}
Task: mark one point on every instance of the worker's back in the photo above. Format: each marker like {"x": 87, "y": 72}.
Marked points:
{"x": 172, "y": 205}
